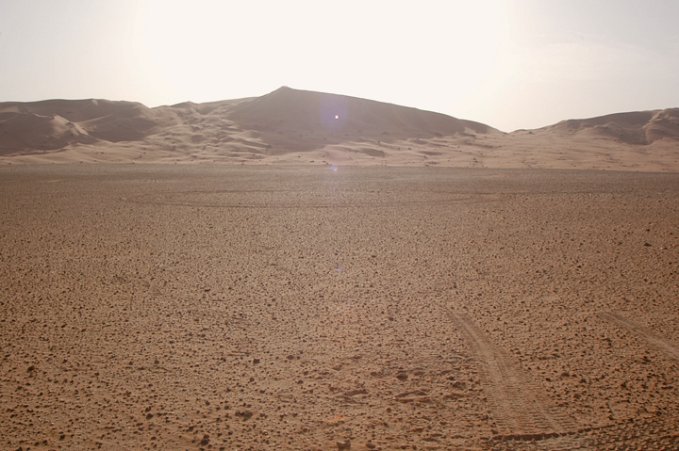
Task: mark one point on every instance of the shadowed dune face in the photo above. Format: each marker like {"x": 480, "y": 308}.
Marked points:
{"x": 31, "y": 131}
{"x": 54, "y": 124}
{"x": 640, "y": 128}
{"x": 299, "y": 120}
{"x": 73, "y": 110}
{"x": 663, "y": 124}
{"x": 133, "y": 123}
{"x": 289, "y": 126}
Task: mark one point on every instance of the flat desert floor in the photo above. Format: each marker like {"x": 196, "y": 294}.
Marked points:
{"x": 221, "y": 307}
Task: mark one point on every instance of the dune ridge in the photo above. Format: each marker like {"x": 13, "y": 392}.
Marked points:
{"x": 55, "y": 124}
{"x": 30, "y": 131}
{"x": 638, "y": 127}
{"x": 303, "y": 120}
{"x": 290, "y": 126}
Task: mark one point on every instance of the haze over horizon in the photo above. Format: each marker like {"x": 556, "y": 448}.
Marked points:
{"x": 509, "y": 64}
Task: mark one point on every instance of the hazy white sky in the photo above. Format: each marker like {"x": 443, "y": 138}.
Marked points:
{"x": 508, "y": 63}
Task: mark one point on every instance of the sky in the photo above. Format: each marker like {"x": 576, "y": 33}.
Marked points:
{"x": 508, "y": 63}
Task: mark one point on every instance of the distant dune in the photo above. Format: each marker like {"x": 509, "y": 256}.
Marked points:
{"x": 640, "y": 127}
{"x": 294, "y": 126}
{"x": 23, "y": 131}
{"x": 302, "y": 120}
{"x": 54, "y": 124}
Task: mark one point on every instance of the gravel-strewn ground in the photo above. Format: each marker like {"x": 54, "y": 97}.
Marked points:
{"x": 357, "y": 308}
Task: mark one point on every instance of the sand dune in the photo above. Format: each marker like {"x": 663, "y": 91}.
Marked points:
{"x": 54, "y": 124}
{"x": 295, "y": 120}
{"x": 289, "y": 126}
{"x": 663, "y": 124}
{"x": 641, "y": 127}
{"x": 21, "y": 131}
{"x": 306, "y": 307}
{"x": 73, "y": 110}
{"x": 129, "y": 122}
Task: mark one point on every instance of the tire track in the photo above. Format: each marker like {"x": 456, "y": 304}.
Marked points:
{"x": 644, "y": 433}
{"x": 520, "y": 410}
{"x": 659, "y": 343}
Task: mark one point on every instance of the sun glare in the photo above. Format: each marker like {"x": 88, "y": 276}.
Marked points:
{"x": 196, "y": 50}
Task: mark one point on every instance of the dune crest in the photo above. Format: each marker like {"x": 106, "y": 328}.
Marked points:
{"x": 30, "y": 131}
{"x": 638, "y": 128}
{"x": 291, "y": 126}
{"x": 301, "y": 120}
{"x": 54, "y": 124}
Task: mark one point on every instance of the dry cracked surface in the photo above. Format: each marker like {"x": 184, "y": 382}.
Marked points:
{"x": 176, "y": 307}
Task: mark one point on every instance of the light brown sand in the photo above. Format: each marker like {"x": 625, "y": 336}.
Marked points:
{"x": 295, "y": 127}
{"x": 305, "y": 308}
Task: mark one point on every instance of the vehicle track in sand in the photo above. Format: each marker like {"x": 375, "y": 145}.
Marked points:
{"x": 524, "y": 417}
{"x": 647, "y": 433}
{"x": 520, "y": 409}
{"x": 658, "y": 343}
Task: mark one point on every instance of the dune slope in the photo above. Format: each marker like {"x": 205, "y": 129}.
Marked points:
{"x": 290, "y": 126}
{"x": 54, "y": 124}
{"x": 639, "y": 127}
{"x": 28, "y": 131}
{"x": 294, "y": 120}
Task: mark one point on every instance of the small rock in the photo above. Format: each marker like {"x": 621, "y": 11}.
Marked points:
{"x": 346, "y": 444}
{"x": 206, "y": 440}
{"x": 245, "y": 414}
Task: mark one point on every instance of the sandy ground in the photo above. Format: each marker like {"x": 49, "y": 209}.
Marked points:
{"x": 293, "y": 127}
{"x": 212, "y": 307}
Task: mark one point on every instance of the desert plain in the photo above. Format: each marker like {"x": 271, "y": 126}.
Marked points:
{"x": 337, "y": 307}
{"x": 310, "y": 271}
